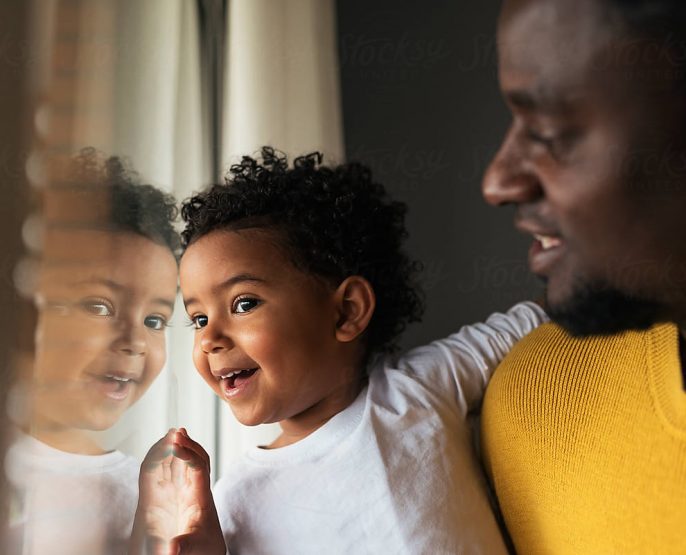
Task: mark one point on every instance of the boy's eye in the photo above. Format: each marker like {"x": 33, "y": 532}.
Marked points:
{"x": 155, "y": 322}
{"x": 244, "y": 304}
{"x": 97, "y": 307}
{"x": 199, "y": 321}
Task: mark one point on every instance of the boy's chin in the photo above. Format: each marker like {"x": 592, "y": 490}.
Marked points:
{"x": 101, "y": 422}
{"x": 247, "y": 419}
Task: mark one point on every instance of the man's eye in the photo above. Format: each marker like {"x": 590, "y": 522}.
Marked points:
{"x": 536, "y": 137}
{"x": 558, "y": 145}
{"x": 199, "y": 321}
{"x": 97, "y": 307}
{"x": 155, "y": 322}
{"x": 244, "y": 304}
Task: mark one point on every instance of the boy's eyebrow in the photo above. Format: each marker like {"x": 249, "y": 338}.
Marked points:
{"x": 240, "y": 278}
{"x": 169, "y": 303}
{"x": 165, "y": 302}
{"x": 229, "y": 282}
{"x": 99, "y": 281}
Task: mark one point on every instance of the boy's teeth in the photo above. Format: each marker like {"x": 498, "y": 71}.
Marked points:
{"x": 231, "y": 374}
{"x": 118, "y": 378}
{"x": 548, "y": 242}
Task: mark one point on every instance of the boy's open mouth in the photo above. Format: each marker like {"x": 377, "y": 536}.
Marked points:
{"x": 116, "y": 387}
{"x": 236, "y": 378}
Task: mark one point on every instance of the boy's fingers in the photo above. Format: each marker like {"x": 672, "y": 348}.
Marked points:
{"x": 155, "y": 545}
{"x": 166, "y": 469}
{"x": 178, "y": 470}
{"x": 176, "y": 444}
{"x": 193, "y": 446}
{"x": 187, "y": 441}
{"x": 182, "y": 545}
{"x": 191, "y": 544}
{"x": 190, "y": 458}
{"x": 160, "y": 450}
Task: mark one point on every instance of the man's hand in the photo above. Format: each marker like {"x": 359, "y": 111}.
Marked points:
{"x": 176, "y": 512}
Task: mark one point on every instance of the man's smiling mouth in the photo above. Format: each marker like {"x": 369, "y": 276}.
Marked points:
{"x": 548, "y": 241}
{"x": 545, "y": 253}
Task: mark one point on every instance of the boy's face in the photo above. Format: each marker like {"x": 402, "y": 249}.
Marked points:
{"x": 104, "y": 300}
{"x": 255, "y": 313}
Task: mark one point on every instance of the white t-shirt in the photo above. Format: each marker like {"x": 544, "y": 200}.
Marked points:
{"x": 64, "y": 503}
{"x": 393, "y": 473}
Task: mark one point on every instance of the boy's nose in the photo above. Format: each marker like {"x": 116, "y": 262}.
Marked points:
{"x": 214, "y": 340}
{"x": 509, "y": 178}
{"x": 130, "y": 340}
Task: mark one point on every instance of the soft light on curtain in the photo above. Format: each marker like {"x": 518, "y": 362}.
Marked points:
{"x": 281, "y": 89}
{"x": 124, "y": 77}
{"x": 135, "y": 90}
{"x": 282, "y": 79}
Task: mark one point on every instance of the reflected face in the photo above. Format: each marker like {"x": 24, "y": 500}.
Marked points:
{"x": 595, "y": 163}
{"x": 104, "y": 301}
{"x": 265, "y": 331}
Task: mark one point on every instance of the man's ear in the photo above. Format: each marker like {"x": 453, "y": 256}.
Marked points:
{"x": 355, "y": 301}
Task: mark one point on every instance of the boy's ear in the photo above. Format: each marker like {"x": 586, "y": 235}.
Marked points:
{"x": 355, "y": 301}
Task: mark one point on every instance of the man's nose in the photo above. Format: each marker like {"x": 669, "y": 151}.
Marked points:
{"x": 510, "y": 177}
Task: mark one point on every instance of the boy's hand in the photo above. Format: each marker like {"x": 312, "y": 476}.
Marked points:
{"x": 176, "y": 512}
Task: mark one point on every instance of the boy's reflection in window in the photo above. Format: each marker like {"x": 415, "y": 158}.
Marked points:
{"x": 105, "y": 293}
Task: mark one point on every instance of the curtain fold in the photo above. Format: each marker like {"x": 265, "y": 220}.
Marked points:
{"x": 128, "y": 78}
{"x": 281, "y": 89}
{"x": 160, "y": 127}
{"x": 124, "y": 77}
{"x": 282, "y": 78}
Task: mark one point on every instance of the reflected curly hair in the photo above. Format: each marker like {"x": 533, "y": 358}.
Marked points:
{"x": 106, "y": 194}
{"x": 335, "y": 222}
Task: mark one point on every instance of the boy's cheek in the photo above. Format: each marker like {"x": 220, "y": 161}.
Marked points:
{"x": 153, "y": 366}
{"x": 211, "y": 381}
{"x": 202, "y": 366}
{"x": 199, "y": 358}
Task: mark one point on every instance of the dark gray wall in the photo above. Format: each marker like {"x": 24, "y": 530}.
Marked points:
{"x": 421, "y": 107}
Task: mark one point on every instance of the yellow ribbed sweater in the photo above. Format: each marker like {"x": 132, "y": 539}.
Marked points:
{"x": 585, "y": 443}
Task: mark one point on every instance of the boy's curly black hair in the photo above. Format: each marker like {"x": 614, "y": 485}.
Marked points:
{"x": 336, "y": 222}
{"x": 106, "y": 194}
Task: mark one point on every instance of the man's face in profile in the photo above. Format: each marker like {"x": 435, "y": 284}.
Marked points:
{"x": 595, "y": 162}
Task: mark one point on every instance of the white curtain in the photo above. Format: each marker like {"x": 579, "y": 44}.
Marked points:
{"x": 159, "y": 126}
{"x": 281, "y": 89}
{"x": 123, "y": 76}
{"x": 282, "y": 84}
{"x": 138, "y": 94}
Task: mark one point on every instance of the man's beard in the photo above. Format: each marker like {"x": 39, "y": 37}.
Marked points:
{"x": 599, "y": 309}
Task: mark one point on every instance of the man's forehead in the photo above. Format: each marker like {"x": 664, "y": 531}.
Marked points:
{"x": 578, "y": 17}
{"x": 551, "y": 34}
{"x": 555, "y": 54}
{"x": 549, "y": 46}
